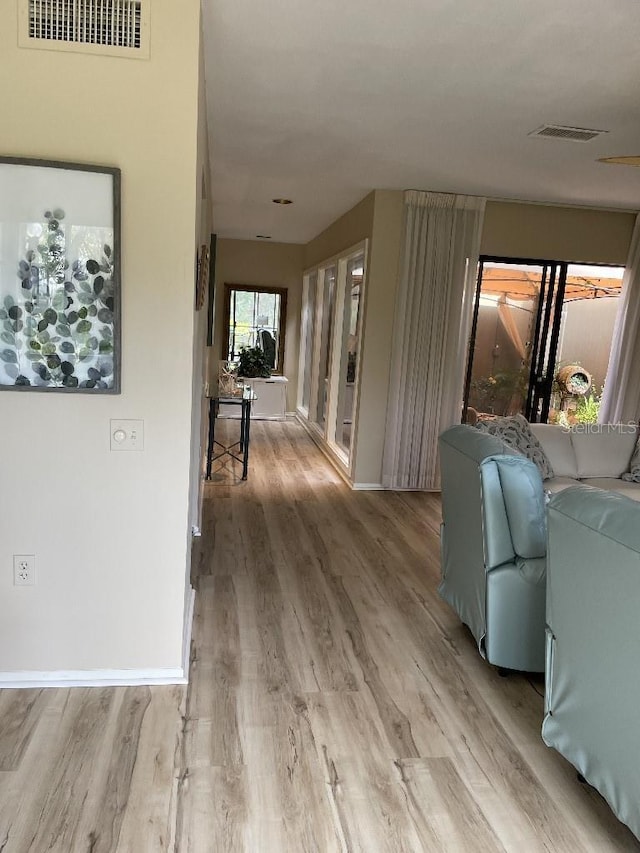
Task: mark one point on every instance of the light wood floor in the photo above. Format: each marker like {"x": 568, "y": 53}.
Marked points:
{"x": 335, "y": 703}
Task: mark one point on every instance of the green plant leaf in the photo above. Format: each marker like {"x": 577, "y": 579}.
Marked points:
{"x": 70, "y": 381}
{"x": 105, "y": 347}
{"x": 86, "y": 298}
{"x": 41, "y": 370}
{"x": 50, "y": 316}
{"x": 12, "y": 371}
{"x": 15, "y": 312}
{"x": 42, "y": 325}
{"x": 82, "y": 313}
{"x": 105, "y": 315}
{"x": 22, "y": 380}
{"x": 63, "y": 330}
{"x": 83, "y": 326}
{"x": 92, "y": 343}
{"x": 67, "y": 347}
{"x": 8, "y": 338}
{"x": 9, "y": 356}
{"x": 59, "y": 301}
{"x": 48, "y": 349}
{"x": 44, "y": 337}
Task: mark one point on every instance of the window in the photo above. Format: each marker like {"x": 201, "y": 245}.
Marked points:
{"x": 255, "y": 316}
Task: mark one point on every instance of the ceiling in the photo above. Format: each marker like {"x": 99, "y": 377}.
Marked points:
{"x": 323, "y": 102}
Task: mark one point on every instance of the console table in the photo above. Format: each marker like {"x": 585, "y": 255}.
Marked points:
{"x": 271, "y": 402}
{"x": 242, "y": 453}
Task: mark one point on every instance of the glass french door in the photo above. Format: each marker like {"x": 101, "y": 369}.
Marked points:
{"x": 327, "y": 310}
{"x": 530, "y": 318}
{"x": 330, "y": 352}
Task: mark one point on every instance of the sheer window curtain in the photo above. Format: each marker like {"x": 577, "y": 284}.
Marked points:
{"x": 431, "y": 331}
{"x": 621, "y": 398}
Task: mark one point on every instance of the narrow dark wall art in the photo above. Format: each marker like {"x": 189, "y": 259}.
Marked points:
{"x": 59, "y": 276}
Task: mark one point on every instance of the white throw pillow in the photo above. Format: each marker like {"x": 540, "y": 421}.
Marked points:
{"x": 516, "y": 432}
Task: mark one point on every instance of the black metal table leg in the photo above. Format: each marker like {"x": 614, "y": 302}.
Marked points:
{"x": 242, "y": 426}
{"x": 210, "y": 443}
{"x": 246, "y": 420}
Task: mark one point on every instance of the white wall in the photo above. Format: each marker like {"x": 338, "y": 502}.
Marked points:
{"x": 109, "y": 530}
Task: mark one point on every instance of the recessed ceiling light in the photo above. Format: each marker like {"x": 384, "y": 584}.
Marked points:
{"x": 633, "y": 160}
{"x": 263, "y": 236}
{"x": 281, "y": 201}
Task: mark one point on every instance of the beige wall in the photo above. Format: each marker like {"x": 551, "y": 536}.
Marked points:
{"x": 520, "y": 230}
{"x": 200, "y": 412}
{"x": 351, "y": 228}
{"x": 109, "y": 530}
{"x": 272, "y": 265}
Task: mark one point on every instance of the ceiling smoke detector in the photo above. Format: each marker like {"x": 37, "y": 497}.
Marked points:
{"x": 570, "y": 134}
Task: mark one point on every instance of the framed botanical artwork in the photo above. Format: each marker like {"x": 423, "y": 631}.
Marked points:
{"x": 202, "y": 278}
{"x": 59, "y": 276}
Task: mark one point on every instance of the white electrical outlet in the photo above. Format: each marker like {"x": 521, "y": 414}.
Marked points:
{"x": 127, "y": 435}
{"x": 24, "y": 570}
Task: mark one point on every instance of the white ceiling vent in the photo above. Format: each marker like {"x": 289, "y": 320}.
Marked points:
{"x": 115, "y": 27}
{"x": 571, "y": 134}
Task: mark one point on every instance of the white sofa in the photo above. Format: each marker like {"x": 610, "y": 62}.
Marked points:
{"x": 594, "y": 454}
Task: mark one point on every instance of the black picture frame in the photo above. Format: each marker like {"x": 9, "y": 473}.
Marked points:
{"x": 60, "y": 283}
{"x": 212, "y": 289}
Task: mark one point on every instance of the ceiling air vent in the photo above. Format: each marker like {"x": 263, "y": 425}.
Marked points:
{"x": 571, "y": 134}
{"x": 117, "y": 27}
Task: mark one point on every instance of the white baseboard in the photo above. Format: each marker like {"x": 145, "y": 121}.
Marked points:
{"x": 109, "y": 677}
{"x": 186, "y": 633}
{"x": 92, "y": 678}
{"x": 368, "y": 487}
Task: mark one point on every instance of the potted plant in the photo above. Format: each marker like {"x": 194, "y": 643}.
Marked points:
{"x": 253, "y": 364}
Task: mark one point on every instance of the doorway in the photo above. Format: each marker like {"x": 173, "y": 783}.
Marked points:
{"x": 531, "y": 320}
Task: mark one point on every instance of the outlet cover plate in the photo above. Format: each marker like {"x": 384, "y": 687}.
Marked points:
{"x": 24, "y": 570}
{"x": 127, "y": 435}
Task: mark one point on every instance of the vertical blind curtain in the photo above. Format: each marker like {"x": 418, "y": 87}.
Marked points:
{"x": 431, "y": 330}
{"x": 621, "y": 398}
